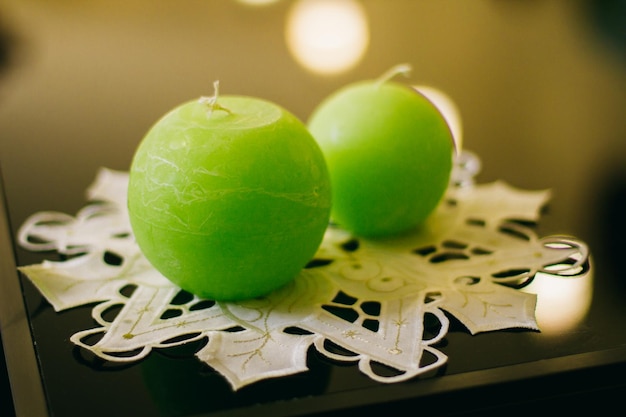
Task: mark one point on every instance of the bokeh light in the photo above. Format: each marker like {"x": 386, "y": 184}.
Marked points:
{"x": 257, "y": 2}
{"x": 562, "y": 302}
{"x": 327, "y": 36}
{"x": 448, "y": 108}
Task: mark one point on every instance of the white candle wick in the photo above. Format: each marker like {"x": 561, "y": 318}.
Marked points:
{"x": 211, "y": 102}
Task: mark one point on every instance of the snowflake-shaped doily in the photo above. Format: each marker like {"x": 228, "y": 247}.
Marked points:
{"x": 371, "y": 302}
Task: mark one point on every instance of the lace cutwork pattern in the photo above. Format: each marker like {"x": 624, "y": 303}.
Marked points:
{"x": 377, "y": 304}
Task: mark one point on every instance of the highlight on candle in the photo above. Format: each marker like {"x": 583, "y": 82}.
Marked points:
{"x": 389, "y": 152}
{"x": 327, "y": 36}
{"x": 229, "y": 196}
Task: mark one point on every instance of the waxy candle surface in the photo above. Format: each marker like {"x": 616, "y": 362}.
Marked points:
{"x": 389, "y": 153}
{"x": 230, "y": 204}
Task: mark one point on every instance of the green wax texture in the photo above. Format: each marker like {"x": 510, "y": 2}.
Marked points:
{"x": 389, "y": 153}
{"x": 229, "y": 205}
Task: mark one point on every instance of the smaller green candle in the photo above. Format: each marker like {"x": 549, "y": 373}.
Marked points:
{"x": 389, "y": 152}
{"x": 229, "y": 197}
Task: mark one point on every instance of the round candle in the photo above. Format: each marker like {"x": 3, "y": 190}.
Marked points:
{"x": 389, "y": 152}
{"x": 229, "y": 197}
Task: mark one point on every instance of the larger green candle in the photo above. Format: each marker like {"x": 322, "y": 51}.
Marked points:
{"x": 229, "y": 198}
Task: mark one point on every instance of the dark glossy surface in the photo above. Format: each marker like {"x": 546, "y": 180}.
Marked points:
{"x": 541, "y": 87}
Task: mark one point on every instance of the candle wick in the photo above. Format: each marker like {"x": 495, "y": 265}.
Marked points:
{"x": 401, "y": 69}
{"x": 211, "y": 102}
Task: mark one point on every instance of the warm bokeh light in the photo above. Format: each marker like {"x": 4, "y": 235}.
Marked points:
{"x": 562, "y": 302}
{"x": 257, "y": 2}
{"x": 448, "y": 108}
{"x": 327, "y": 36}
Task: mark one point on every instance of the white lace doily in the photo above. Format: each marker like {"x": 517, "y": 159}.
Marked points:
{"x": 377, "y": 303}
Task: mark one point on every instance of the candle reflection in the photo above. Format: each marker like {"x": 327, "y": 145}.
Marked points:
{"x": 562, "y": 302}
{"x": 327, "y": 36}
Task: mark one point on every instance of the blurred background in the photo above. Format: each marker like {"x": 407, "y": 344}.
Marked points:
{"x": 540, "y": 86}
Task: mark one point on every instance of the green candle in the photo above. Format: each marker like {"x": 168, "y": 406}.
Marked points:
{"x": 389, "y": 153}
{"x": 229, "y": 197}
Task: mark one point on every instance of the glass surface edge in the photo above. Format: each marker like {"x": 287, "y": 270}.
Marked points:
{"x": 456, "y": 385}
{"x": 23, "y": 370}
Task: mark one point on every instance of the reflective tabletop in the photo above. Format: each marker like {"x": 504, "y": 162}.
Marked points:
{"x": 540, "y": 87}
